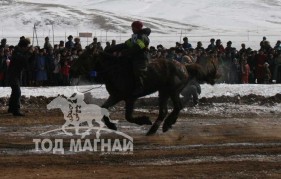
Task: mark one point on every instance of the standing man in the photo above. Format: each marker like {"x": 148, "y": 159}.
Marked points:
{"x": 19, "y": 61}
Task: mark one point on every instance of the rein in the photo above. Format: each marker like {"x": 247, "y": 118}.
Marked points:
{"x": 88, "y": 89}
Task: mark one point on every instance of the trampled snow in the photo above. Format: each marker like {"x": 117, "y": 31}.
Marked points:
{"x": 101, "y": 93}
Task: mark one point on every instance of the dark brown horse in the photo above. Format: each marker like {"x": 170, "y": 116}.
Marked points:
{"x": 166, "y": 77}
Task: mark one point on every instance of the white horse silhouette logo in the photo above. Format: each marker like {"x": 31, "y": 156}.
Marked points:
{"x": 76, "y": 112}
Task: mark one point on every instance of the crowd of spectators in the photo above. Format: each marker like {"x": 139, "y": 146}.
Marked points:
{"x": 50, "y": 65}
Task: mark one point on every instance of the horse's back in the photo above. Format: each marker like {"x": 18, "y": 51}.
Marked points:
{"x": 166, "y": 67}
{"x": 166, "y": 73}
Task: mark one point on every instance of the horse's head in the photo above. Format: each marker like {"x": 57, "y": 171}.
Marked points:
{"x": 204, "y": 73}
{"x": 211, "y": 73}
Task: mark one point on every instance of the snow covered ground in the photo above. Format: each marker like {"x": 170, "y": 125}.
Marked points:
{"x": 101, "y": 93}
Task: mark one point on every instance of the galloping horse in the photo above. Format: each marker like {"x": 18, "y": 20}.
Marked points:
{"x": 168, "y": 77}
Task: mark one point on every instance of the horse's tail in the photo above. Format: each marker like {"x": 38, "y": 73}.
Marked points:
{"x": 207, "y": 74}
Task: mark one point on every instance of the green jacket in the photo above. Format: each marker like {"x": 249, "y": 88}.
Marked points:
{"x": 138, "y": 43}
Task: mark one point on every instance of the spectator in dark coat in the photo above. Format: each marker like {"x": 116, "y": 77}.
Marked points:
{"x": 4, "y": 44}
{"x": 107, "y": 46}
{"x": 185, "y": 44}
{"x": 211, "y": 46}
{"x": 19, "y": 61}
{"x": 199, "y": 47}
{"x": 77, "y": 44}
{"x": 69, "y": 44}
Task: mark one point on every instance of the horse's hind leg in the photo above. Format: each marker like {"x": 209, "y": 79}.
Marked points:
{"x": 163, "y": 111}
{"x": 109, "y": 102}
{"x": 142, "y": 120}
{"x": 172, "y": 118}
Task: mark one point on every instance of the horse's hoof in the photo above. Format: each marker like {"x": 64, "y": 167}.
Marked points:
{"x": 166, "y": 127}
{"x": 152, "y": 130}
{"x": 150, "y": 133}
{"x": 111, "y": 126}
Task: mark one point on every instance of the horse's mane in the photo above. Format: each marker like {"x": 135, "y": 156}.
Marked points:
{"x": 196, "y": 70}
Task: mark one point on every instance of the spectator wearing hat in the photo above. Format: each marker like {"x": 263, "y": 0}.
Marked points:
{"x": 185, "y": 44}
{"x": 69, "y": 44}
{"x": 19, "y": 61}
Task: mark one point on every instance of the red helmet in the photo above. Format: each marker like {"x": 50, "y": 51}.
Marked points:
{"x": 137, "y": 25}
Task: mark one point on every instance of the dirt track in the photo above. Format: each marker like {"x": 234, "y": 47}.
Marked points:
{"x": 204, "y": 143}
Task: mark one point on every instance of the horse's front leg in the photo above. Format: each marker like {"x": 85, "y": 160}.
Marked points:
{"x": 172, "y": 118}
{"x": 142, "y": 120}
{"x": 163, "y": 111}
{"x": 111, "y": 101}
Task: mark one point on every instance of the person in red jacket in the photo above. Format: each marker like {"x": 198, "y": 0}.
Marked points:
{"x": 65, "y": 73}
